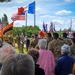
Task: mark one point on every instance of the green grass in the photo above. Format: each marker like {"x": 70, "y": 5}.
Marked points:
{"x": 25, "y": 52}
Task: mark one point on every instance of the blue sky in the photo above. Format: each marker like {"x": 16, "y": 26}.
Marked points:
{"x": 60, "y": 12}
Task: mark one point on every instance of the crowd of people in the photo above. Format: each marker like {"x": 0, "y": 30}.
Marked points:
{"x": 46, "y": 55}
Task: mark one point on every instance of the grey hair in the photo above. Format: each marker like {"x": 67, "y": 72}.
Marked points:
{"x": 18, "y": 64}
{"x": 42, "y": 43}
{"x": 65, "y": 48}
{"x": 6, "y": 50}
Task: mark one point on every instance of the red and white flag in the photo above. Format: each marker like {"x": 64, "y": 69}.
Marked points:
{"x": 17, "y": 17}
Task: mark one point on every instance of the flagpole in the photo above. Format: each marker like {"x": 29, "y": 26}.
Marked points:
{"x": 26, "y": 22}
{"x": 34, "y": 13}
{"x": 26, "y": 18}
{"x": 71, "y": 24}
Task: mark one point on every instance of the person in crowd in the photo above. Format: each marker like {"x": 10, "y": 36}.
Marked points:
{"x": 49, "y": 38}
{"x": 18, "y": 41}
{"x": 27, "y": 43}
{"x": 18, "y": 64}
{"x": 10, "y": 39}
{"x": 73, "y": 48}
{"x": 55, "y": 46}
{"x": 74, "y": 69}
{"x": 32, "y": 37}
{"x": 66, "y": 40}
{"x": 64, "y": 65}
{"x": 1, "y": 42}
{"x": 21, "y": 43}
{"x": 73, "y": 35}
{"x": 46, "y": 58}
{"x": 5, "y": 50}
{"x": 34, "y": 42}
{"x": 35, "y": 55}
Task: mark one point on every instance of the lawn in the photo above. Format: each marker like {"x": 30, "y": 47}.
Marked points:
{"x": 18, "y": 50}
{"x": 23, "y": 50}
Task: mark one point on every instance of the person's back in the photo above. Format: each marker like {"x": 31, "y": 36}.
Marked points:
{"x": 64, "y": 64}
{"x": 55, "y": 46}
{"x": 35, "y": 54}
{"x": 73, "y": 48}
{"x": 66, "y": 40}
{"x": 46, "y": 61}
{"x": 18, "y": 64}
{"x": 38, "y": 70}
{"x": 46, "y": 58}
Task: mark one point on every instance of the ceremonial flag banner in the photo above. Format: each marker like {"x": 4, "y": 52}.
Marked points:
{"x": 31, "y": 8}
{"x": 51, "y": 27}
{"x": 1, "y": 28}
{"x": 17, "y": 17}
{"x": 8, "y": 28}
{"x": 44, "y": 27}
{"x": 20, "y": 15}
{"x": 21, "y": 11}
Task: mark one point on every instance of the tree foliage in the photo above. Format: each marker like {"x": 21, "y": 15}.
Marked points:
{"x": 26, "y": 30}
{"x": 5, "y": 0}
{"x": 6, "y": 19}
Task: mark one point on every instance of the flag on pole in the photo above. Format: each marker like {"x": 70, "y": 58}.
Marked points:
{"x": 17, "y": 17}
{"x": 1, "y": 28}
{"x": 51, "y": 27}
{"x": 31, "y": 8}
{"x": 54, "y": 30}
{"x": 21, "y": 11}
{"x": 8, "y": 28}
{"x": 44, "y": 27}
{"x": 20, "y": 15}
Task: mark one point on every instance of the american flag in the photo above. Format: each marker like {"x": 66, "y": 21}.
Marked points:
{"x": 20, "y": 15}
{"x": 17, "y": 17}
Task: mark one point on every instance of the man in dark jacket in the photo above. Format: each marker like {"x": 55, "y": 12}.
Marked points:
{"x": 27, "y": 43}
{"x": 65, "y": 63}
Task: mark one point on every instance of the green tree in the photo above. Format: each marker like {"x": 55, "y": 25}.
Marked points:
{"x": 0, "y": 20}
{"x": 6, "y": 19}
{"x": 5, "y": 0}
{"x": 26, "y": 30}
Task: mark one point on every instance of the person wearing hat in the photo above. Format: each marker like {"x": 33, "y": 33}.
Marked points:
{"x": 64, "y": 64}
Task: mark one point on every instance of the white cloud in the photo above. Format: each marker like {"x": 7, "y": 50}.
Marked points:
{"x": 69, "y": 0}
{"x": 19, "y": 1}
{"x": 48, "y": 16}
{"x": 63, "y": 12}
{"x": 38, "y": 10}
{"x": 45, "y": 16}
